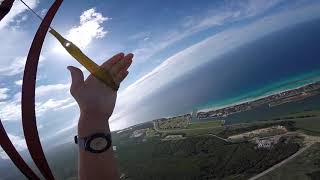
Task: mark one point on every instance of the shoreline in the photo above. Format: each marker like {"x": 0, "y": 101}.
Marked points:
{"x": 249, "y": 100}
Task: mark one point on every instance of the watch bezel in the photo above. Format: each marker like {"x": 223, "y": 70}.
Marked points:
{"x": 107, "y": 137}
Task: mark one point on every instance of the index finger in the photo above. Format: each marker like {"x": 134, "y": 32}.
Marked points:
{"x": 106, "y": 65}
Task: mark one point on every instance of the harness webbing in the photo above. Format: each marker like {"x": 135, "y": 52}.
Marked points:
{"x": 28, "y": 94}
{"x": 13, "y": 154}
{"x": 5, "y": 7}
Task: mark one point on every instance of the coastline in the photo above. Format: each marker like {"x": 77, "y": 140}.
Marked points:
{"x": 313, "y": 80}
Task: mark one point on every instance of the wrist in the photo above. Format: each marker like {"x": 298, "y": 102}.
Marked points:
{"x": 92, "y": 122}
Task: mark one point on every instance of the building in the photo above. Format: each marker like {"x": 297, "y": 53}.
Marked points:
{"x": 267, "y": 143}
{"x": 194, "y": 114}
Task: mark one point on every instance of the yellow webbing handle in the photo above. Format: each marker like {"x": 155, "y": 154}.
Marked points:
{"x": 91, "y": 66}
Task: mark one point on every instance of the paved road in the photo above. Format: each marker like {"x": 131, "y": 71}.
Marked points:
{"x": 226, "y": 140}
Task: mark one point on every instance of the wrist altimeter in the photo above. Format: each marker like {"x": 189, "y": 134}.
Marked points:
{"x": 95, "y": 143}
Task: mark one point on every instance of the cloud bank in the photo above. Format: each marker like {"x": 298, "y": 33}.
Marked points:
{"x": 199, "y": 54}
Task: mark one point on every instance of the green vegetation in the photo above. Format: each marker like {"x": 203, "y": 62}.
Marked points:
{"x": 174, "y": 122}
{"x": 314, "y": 112}
{"x": 200, "y": 157}
{"x": 151, "y": 133}
{"x": 242, "y": 128}
{"x": 229, "y": 130}
{"x": 304, "y": 167}
{"x": 300, "y": 115}
{"x": 307, "y": 121}
{"x": 63, "y": 161}
{"x": 206, "y": 124}
{"x": 310, "y": 126}
{"x": 195, "y": 132}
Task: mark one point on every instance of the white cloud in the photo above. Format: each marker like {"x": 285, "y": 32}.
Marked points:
{"x": 71, "y": 104}
{"x": 230, "y": 11}
{"x": 17, "y": 9}
{"x": 199, "y": 54}
{"x": 16, "y": 66}
{"x": 51, "y": 105}
{"x": 43, "y": 12}
{"x": 18, "y": 82}
{"x": 45, "y": 90}
{"x": 10, "y": 109}
{"x": 233, "y": 11}
{"x": 52, "y": 101}
{"x": 14, "y": 39}
{"x": 3, "y": 93}
{"x": 14, "y": 44}
{"x": 19, "y": 21}
{"x": 90, "y": 28}
{"x": 51, "y": 97}
{"x": 18, "y": 142}
{"x": 139, "y": 36}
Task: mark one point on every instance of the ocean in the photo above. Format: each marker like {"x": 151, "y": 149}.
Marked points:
{"x": 276, "y": 87}
{"x": 283, "y": 60}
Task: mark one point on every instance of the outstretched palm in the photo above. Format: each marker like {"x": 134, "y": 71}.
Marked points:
{"x": 91, "y": 94}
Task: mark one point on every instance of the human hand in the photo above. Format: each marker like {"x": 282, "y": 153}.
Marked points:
{"x": 95, "y": 99}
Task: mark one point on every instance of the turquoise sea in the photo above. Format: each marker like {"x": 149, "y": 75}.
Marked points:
{"x": 276, "y": 87}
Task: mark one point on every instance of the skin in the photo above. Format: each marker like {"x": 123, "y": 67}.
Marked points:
{"x": 96, "y": 103}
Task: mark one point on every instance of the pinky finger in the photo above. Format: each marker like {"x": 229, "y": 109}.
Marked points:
{"x": 121, "y": 76}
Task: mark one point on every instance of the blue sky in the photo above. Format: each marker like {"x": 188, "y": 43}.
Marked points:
{"x": 169, "y": 39}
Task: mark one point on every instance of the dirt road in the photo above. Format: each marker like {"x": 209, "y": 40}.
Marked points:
{"x": 309, "y": 141}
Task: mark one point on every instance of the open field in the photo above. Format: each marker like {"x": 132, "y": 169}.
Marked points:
{"x": 309, "y": 126}
{"x": 304, "y": 167}
{"x": 201, "y": 131}
{"x": 228, "y": 130}
{"x": 264, "y": 132}
{"x": 306, "y": 121}
{"x": 300, "y": 115}
{"x": 173, "y": 123}
{"x": 206, "y": 124}
{"x": 315, "y": 112}
{"x": 151, "y": 132}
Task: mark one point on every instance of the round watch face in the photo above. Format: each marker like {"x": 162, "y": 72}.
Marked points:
{"x": 98, "y": 143}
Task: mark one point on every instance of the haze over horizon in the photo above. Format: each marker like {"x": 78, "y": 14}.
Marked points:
{"x": 169, "y": 54}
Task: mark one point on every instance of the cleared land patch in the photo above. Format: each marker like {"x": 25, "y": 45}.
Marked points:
{"x": 303, "y": 167}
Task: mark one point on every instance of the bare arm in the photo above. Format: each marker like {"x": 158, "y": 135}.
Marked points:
{"x": 96, "y": 102}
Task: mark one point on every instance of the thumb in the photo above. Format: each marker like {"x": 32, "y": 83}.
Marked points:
{"x": 76, "y": 76}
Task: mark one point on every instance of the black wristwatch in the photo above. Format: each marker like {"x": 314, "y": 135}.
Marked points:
{"x": 95, "y": 143}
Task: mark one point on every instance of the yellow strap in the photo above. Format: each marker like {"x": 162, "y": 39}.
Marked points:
{"x": 91, "y": 66}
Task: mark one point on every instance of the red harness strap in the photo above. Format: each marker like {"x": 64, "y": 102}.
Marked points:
{"x": 28, "y": 95}
{"x": 5, "y": 142}
{"x": 13, "y": 154}
{"x": 5, "y": 7}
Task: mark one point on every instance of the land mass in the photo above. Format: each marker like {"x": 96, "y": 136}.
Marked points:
{"x": 208, "y": 145}
{"x": 272, "y": 100}
{"x": 204, "y": 146}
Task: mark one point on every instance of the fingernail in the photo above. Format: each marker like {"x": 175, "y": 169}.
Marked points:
{"x": 121, "y": 54}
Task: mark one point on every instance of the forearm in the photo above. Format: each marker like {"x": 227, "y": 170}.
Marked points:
{"x": 95, "y": 166}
